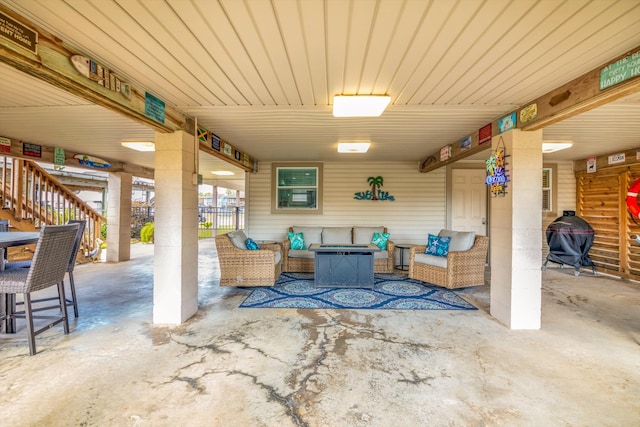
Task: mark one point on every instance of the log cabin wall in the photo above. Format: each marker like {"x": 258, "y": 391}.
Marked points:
{"x": 601, "y": 201}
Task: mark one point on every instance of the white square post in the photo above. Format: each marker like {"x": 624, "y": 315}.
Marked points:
{"x": 175, "y": 283}
{"x": 516, "y": 233}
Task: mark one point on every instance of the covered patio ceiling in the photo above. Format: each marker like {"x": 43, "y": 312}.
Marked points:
{"x": 262, "y": 74}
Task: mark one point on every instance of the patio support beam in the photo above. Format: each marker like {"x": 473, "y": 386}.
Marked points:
{"x": 516, "y": 233}
{"x": 175, "y": 281}
{"x": 119, "y": 217}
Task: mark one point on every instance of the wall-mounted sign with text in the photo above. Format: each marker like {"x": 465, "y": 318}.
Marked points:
{"x": 5, "y": 145}
{"x": 154, "y": 107}
{"x": 31, "y": 150}
{"x": 17, "y": 33}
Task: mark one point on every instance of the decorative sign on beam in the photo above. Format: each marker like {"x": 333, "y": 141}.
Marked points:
{"x": 54, "y": 63}
{"x": 613, "y": 80}
{"x": 47, "y": 155}
{"x": 620, "y": 159}
{"x": 214, "y": 145}
{"x": 468, "y": 146}
{"x": 17, "y": 33}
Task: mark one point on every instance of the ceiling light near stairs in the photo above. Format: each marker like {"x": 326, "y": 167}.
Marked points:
{"x": 139, "y": 145}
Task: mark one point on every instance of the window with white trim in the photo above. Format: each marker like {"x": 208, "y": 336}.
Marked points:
{"x": 297, "y": 188}
{"x": 547, "y": 194}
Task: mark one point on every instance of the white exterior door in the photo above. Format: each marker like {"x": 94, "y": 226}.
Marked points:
{"x": 469, "y": 200}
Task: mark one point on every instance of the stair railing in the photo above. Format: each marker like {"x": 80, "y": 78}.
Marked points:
{"x": 31, "y": 194}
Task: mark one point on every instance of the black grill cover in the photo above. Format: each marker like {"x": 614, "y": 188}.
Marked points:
{"x": 570, "y": 238}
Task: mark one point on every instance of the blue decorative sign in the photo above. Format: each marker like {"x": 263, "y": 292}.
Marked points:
{"x": 154, "y": 108}
{"x": 507, "y": 123}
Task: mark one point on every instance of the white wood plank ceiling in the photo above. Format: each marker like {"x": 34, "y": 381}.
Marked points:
{"x": 262, "y": 73}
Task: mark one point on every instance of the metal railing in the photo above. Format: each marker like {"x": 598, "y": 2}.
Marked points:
{"x": 211, "y": 220}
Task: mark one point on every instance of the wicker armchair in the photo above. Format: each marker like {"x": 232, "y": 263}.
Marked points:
{"x": 240, "y": 267}
{"x": 464, "y": 268}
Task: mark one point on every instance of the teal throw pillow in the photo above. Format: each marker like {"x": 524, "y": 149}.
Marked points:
{"x": 380, "y": 240}
{"x": 297, "y": 241}
{"x": 437, "y": 245}
{"x": 251, "y": 244}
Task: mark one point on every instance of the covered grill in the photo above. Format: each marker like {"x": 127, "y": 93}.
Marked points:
{"x": 570, "y": 238}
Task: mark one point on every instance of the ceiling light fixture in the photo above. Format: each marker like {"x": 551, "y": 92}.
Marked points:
{"x": 359, "y": 105}
{"x": 222, "y": 173}
{"x": 552, "y": 146}
{"x": 139, "y": 145}
{"x": 353, "y": 147}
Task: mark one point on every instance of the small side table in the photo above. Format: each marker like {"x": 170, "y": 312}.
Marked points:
{"x": 403, "y": 247}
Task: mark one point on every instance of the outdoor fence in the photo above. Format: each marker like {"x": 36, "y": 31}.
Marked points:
{"x": 211, "y": 220}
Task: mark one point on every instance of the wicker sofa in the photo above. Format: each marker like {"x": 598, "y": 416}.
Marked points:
{"x": 460, "y": 268}
{"x": 303, "y": 260}
{"x": 243, "y": 267}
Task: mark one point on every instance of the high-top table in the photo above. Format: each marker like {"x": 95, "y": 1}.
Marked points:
{"x": 8, "y": 239}
{"x": 343, "y": 266}
{"x": 18, "y": 238}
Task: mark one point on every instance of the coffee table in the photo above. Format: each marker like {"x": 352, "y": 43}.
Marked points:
{"x": 343, "y": 266}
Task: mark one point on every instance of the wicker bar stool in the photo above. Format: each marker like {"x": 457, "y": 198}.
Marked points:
{"x": 49, "y": 264}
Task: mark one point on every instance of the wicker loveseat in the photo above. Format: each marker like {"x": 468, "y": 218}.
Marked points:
{"x": 243, "y": 267}
{"x": 460, "y": 268}
{"x": 303, "y": 260}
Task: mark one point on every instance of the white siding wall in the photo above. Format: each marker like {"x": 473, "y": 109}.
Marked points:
{"x": 418, "y": 209}
{"x": 566, "y": 187}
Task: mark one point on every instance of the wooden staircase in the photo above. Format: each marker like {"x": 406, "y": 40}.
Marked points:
{"x": 32, "y": 198}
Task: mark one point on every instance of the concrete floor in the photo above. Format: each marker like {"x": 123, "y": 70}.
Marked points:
{"x": 282, "y": 367}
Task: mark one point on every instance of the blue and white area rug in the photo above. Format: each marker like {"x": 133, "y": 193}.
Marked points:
{"x": 390, "y": 292}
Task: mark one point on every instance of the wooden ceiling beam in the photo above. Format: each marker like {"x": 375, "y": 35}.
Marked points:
{"x": 47, "y": 156}
{"x": 611, "y": 81}
{"x": 52, "y": 64}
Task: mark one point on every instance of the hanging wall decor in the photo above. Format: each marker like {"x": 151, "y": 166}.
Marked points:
{"x": 497, "y": 178}
{"x": 375, "y": 193}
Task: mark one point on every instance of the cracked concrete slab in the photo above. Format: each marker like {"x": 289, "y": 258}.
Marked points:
{"x": 292, "y": 367}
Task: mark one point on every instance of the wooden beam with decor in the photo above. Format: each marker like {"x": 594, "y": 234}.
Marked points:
{"x": 613, "y": 80}
{"x": 619, "y": 160}
{"x": 47, "y": 156}
{"x": 210, "y": 143}
{"x": 40, "y": 54}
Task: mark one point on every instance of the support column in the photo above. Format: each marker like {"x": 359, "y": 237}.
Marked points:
{"x": 516, "y": 234}
{"x": 175, "y": 282}
{"x": 119, "y": 217}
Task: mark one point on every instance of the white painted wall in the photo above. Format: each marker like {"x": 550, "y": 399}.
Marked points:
{"x": 418, "y": 209}
{"x": 566, "y": 187}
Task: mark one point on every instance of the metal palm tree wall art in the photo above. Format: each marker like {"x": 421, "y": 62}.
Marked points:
{"x": 375, "y": 193}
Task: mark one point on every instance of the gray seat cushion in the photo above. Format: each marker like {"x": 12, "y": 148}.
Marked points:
{"x": 294, "y": 253}
{"x": 363, "y": 235}
{"x": 460, "y": 240}
{"x": 436, "y": 261}
{"x": 337, "y": 235}
{"x": 310, "y": 235}
{"x": 238, "y": 238}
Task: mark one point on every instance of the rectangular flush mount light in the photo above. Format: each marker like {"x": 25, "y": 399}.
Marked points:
{"x": 222, "y": 173}
{"x": 552, "y": 146}
{"x": 353, "y": 147}
{"x": 139, "y": 145}
{"x": 359, "y": 105}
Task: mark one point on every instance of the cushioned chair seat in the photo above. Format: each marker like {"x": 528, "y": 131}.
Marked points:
{"x": 457, "y": 270}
